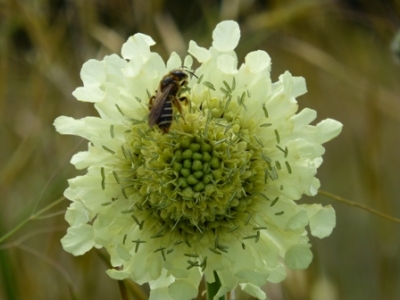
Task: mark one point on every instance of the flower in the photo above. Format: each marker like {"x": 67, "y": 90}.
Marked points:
{"x": 217, "y": 193}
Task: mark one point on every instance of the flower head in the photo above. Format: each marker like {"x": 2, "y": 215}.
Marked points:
{"x": 217, "y": 192}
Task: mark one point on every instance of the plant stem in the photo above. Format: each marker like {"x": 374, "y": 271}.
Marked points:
{"x": 366, "y": 208}
{"x": 30, "y": 218}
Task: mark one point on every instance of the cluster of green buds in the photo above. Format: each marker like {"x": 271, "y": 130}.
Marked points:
{"x": 198, "y": 176}
{"x": 197, "y": 169}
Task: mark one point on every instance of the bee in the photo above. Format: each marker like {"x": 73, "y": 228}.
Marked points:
{"x": 167, "y": 96}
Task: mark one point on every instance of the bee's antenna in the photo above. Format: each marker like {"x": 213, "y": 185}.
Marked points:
{"x": 190, "y": 72}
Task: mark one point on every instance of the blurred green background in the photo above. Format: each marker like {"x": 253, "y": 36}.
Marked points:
{"x": 342, "y": 48}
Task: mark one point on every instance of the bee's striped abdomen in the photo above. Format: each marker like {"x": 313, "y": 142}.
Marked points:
{"x": 167, "y": 96}
{"x": 165, "y": 119}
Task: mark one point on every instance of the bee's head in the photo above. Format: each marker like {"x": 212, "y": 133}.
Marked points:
{"x": 179, "y": 74}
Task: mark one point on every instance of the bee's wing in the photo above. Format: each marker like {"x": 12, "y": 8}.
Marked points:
{"x": 158, "y": 105}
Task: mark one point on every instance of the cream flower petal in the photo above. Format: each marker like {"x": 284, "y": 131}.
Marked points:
{"x": 278, "y": 274}
{"x": 314, "y": 187}
{"x": 160, "y": 287}
{"x": 93, "y": 73}
{"x": 228, "y": 282}
{"x": 182, "y": 289}
{"x": 258, "y": 61}
{"x": 226, "y": 36}
{"x": 304, "y": 117}
{"x": 298, "y": 257}
{"x": 226, "y": 63}
{"x": 328, "y": 129}
{"x": 163, "y": 281}
{"x": 85, "y": 159}
{"x": 114, "y": 65}
{"x": 300, "y": 220}
{"x": 89, "y": 94}
{"x": 188, "y": 62}
{"x": 322, "y": 220}
{"x": 201, "y": 54}
{"x": 299, "y": 86}
{"x": 77, "y": 214}
{"x": 137, "y": 46}
{"x": 133, "y": 67}
{"x": 253, "y": 290}
{"x": 68, "y": 125}
{"x": 118, "y": 275}
{"x": 79, "y": 239}
{"x": 174, "y": 61}
{"x": 88, "y": 128}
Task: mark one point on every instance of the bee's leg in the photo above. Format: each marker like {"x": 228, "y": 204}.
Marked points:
{"x": 151, "y": 101}
{"x": 184, "y": 99}
{"x": 183, "y": 87}
{"x": 177, "y": 102}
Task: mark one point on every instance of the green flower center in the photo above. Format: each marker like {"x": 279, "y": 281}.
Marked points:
{"x": 194, "y": 178}
{"x": 202, "y": 175}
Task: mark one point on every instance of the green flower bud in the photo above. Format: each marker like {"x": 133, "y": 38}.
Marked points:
{"x": 197, "y": 156}
{"x": 206, "y": 168}
{"x": 236, "y": 128}
{"x": 187, "y": 163}
{"x": 216, "y": 113}
{"x": 185, "y": 142}
{"x": 198, "y": 174}
{"x": 199, "y": 187}
{"x": 242, "y": 146}
{"x": 206, "y": 156}
{"x": 214, "y": 163}
{"x": 217, "y": 174}
{"x": 197, "y": 165}
{"x": 234, "y": 202}
{"x": 205, "y": 147}
{"x": 178, "y": 155}
{"x": 191, "y": 179}
{"x": 207, "y": 178}
{"x": 209, "y": 189}
{"x": 182, "y": 182}
{"x": 177, "y": 166}
{"x": 185, "y": 172}
{"x": 195, "y": 147}
{"x": 187, "y": 193}
{"x": 187, "y": 153}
